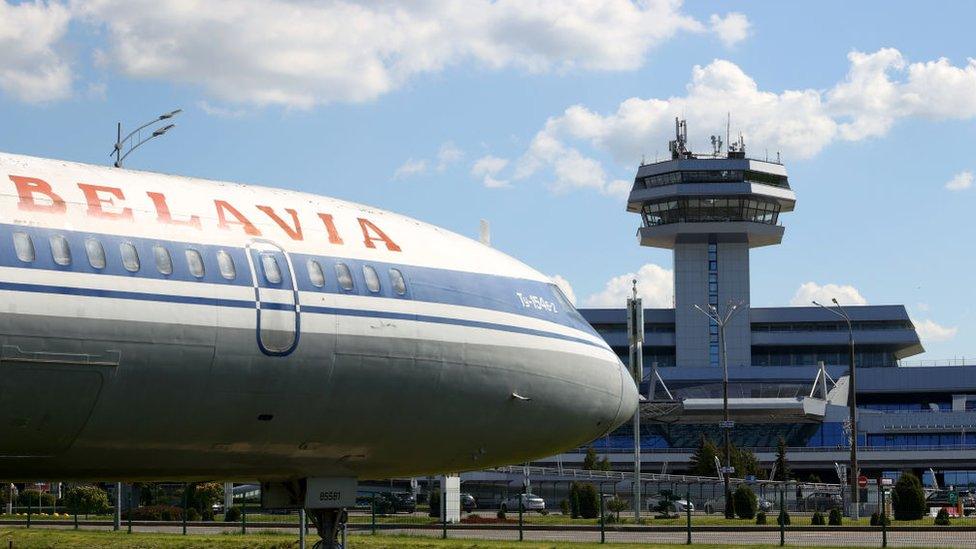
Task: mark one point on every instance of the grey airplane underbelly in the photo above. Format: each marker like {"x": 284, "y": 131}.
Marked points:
{"x": 142, "y": 400}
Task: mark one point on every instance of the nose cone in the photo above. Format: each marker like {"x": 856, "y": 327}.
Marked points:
{"x": 628, "y": 398}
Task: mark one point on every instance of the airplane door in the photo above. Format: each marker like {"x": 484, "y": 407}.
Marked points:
{"x": 276, "y": 300}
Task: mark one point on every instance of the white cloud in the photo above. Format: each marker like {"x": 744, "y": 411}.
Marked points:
{"x": 930, "y": 332}
{"x": 879, "y": 89}
{"x": 731, "y": 29}
{"x": 487, "y": 168}
{"x": 655, "y": 287}
{"x": 960, "y": 182}
{"x": 447, "y": 155}
{"x": 565, "y": 286}
{"x": 301, "y": 54}
{"x": 410, "y": 168}
{"x": 808, "y": 292}
{"x": 31, "y": 69}
{"x": 220, "y": 112}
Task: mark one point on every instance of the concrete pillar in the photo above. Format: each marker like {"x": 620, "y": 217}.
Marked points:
{"x": 451, "y": 498}
{"x": 228, "y": 496}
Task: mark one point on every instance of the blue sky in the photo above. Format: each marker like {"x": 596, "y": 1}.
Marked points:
{"x": 534, "y": 115}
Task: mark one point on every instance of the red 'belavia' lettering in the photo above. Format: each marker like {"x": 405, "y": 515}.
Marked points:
{"x": 106, "y": 202}
{"x": 27, "y": 187}
{"x": 163, "y": 215}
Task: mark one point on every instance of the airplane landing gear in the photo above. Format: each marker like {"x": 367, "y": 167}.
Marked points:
{"x": 330, "y": 524}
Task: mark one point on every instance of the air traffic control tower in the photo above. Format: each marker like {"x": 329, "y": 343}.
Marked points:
{"x": 711, "y": 209}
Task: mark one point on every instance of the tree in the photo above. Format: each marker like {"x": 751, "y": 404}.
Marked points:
{"x": 744, "y": 502}
{"x": 782, "y": 465}
{"x": 745, "y": 463}
{"x": 34, "y": 498}
{"x": 435, "y": 504}
{"x": 574, "y": 500}
{"x": 616, "y": 505}
{"x": 86, "y": 500}
{"x": 908, "y": 498}
{"x": 590, "y": 461}
{"x": 589, "y": 501}
{"x": 665, "y": 503}
{"x": 703, "y": 460}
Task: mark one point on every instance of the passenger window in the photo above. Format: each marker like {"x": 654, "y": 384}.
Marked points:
{"x": 269, "y": 264}
{"x": 195, "y": 262}
{"x": 399, "y": 284}
{"x": 315, "y": 274}
{"x": 372, "y": 279}
{"x": 164, "y": 263}
{"x": 60, "y": 250}
{"x": 344, "y": 276}
{"x": 96, "y": 253}
{"x": 226, "y": 264}
{"x": 130, "y": 256}
{"x": 24, "y": 247}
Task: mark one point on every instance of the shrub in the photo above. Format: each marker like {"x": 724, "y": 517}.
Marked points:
{"x": 783, "y": 519}
{"x": 835, "y": 518}
{"x": 86, "y": 500}
{"x": 156, "y": 512}
{"x": 233, "y": 515}
{"x": 565, "y": 507}
{"x": 942, "y": 519}
{"x": 435, "y": 504}
{"x": 31, "y": 497}
{"x": 817, "y": 519}
{"x": 908, "y": 498}
{"x": 501, "y": 514}
{"x": 744, "y": 502}
{"x": 877, "y": 520}
{"x": 193, "y": 515}
{"x": 589, "y": 501}
{"x": 665, "y": 502}
{"x": 616, "y": 505}
{"x": 761, "y": 517}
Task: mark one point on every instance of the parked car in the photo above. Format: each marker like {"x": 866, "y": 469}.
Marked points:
{"x": 468, "y": 503}
{"x": 530, "y": 502}
{"x": 717, "y": 505}
{"x": 676, "y": 506}
{"x": 822, "y": 501}
{"x": 387, "y": 503}
{"x": 940, "y": 498}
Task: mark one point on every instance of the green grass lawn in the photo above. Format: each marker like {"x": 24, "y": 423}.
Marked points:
{"x": 553, "y": 519}
{"x": 46, "y": 538}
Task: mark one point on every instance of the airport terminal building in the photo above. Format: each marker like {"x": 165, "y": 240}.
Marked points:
{"x": 711, "y": 210}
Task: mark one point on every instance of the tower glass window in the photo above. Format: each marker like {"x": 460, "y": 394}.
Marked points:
{"x": 711, "y": 209}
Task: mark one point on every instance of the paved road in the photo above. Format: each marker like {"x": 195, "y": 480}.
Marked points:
{"x": 948, "y": 538}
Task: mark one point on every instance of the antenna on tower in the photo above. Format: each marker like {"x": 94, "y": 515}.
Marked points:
{"x": 716, "y": 145}
{"x": 728, "y": 129}
{"x": 678, "y": 146}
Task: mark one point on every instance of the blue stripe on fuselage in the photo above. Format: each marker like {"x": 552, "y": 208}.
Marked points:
{"x": 491, "y": 292}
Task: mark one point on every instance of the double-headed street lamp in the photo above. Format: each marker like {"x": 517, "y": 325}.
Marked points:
{"x": 120, "y": 142}
{"x": 852, "y": 404}
{"x": 722, "y": 320}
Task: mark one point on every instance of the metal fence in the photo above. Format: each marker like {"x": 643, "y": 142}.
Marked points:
{"x": 604, "y": 511}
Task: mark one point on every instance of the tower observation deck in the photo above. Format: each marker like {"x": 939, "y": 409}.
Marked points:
{"x": 711, "y": 209}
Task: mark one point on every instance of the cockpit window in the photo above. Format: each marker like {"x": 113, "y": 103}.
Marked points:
{"x": 566, "y": 304}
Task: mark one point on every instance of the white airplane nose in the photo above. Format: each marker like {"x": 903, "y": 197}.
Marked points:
{"x": 628, "y": 398}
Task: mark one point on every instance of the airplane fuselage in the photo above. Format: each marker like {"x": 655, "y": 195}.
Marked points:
{"x": 161, "y": 327}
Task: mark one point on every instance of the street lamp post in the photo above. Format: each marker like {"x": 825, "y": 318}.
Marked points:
{"x": 721, "y": 320}
{"x": 120, "y": 142}
{"x": 852, "y": 405}
{"x": 635, "y": 319}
